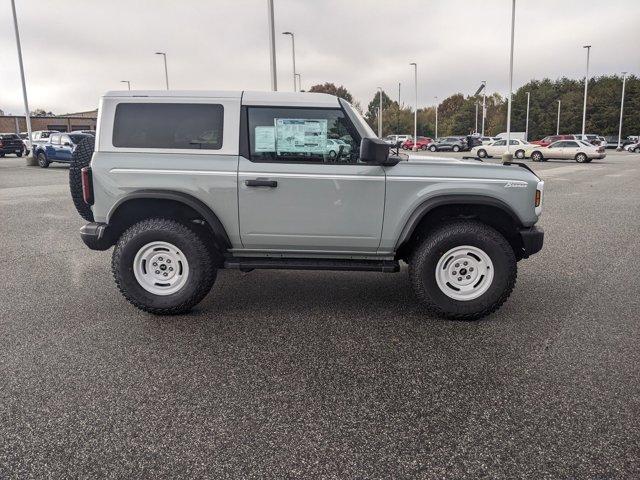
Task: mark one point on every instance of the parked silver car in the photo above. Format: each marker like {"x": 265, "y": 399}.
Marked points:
{"x": 578, "y": 150}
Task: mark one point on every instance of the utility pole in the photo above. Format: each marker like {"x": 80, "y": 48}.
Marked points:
{"x": 380, "y": 113}
{"x": 299, "y": 82}
{"x": 586, "y": 86}
{"x": 415, "y": 111}
{"x": 484, "y": 104}
{"x": 558, "y": 124}
{"x": 513, "y": 21}
{"x": 476, "y": 128}
{"x": 436, "y": 117}
{"x": 624, "y": 79}
{"x": 30, "y": 161}
{"x": 398, "y": 115}
{"x": 293, "y": 55}
{"x": 272, "y": 47}
{"x": 166, "y": 72}
{"x": 526, "y": 127}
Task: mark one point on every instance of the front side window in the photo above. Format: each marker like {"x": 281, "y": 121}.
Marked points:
{"x": 308, "y": 135}
{"x": 191, "y": 126}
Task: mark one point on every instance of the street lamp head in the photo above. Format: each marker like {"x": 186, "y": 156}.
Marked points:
{"x": 414, "y": 64}
{"x": 160, "y": 53}
{"x": 586, "y": 46}
{"x": 287, "y": 33}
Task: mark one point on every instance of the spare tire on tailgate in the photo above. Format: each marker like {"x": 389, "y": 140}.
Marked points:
{"x": 81, "y": 158}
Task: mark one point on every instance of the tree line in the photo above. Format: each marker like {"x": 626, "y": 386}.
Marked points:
{"x": 457, "y": 113}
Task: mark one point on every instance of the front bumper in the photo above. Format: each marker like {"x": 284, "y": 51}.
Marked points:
{"x": 532, "y": 240}
{"x": 96, "y": 236}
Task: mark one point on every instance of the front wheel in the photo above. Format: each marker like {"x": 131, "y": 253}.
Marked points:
{"x": 536, "y": 157}
{"x": 42, "y": 160}
{"x": 482, "y": 153}
{"x": 19, "y": 154}
{"x": 463, "y": 270}
{"x": 433, "y": 148}
{"x": 162, "y": 266}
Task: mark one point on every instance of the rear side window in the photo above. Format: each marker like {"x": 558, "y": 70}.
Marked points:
{"x": 168, "y": 125}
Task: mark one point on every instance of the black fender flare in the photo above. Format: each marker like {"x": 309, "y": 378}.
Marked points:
{"x": 220, "y": 234}
{"x": 421, "y": 210}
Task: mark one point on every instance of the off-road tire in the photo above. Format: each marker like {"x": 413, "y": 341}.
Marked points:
{"x": 202, "y": 273}
{"x": 81, "y": 158}
{"x": 581, "y": 158}
{"x": 423, "y": 261}
{"x": 482, "y": 153}
{"x": 42, "y": 160}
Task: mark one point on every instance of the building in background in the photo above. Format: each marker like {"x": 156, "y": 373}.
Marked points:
{"x": 61, "y": 123}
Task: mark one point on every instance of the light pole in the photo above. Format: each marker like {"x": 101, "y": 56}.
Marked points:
{"x": 436, "y": 117}
{"x": 586, "y": 86}
{"x": 293, "y": 55}
{"x": 476, "y": 129}
{"x": 398, "y": 115}
{"x": 30, "y": 161}
{"x": 484, "y": 104}
{"x": 299, "y": 82}
{"x": 558, "y": 124}
{"x": 415, "y": 111}
{"x": 272, "y": 47}
{"x": 166, "y": 72}
{"x": 624, "y": 80}
{"x": 380, "y": 112}
{"x": 127, "y": 82}
{"x": 526, "y": 126}
{"x": 513, "y": 21}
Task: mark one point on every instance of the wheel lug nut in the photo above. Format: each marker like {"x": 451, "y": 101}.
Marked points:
{"x": 457, "y": 265}
{"x": 171, "y": 269}
{"x": 160, "y": 258}
{"x": 471, "y": 269}
{"x": 168, "y": 260}
{"x": 455, "y": 273}
{"x": 468, "y": 277}
{"x": 165, "y": 274}
{"x": 459, "y": 279}
{"x": 465, "y": 263}
{"x": 155, "y": 264}
{"x": 157, "y": 272}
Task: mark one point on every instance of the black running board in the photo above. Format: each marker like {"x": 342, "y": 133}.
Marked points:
{"x": 247, "y": 264}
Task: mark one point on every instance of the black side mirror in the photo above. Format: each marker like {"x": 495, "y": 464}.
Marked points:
{"x": 67, "y": 144}
{"x": 374, "y": 151}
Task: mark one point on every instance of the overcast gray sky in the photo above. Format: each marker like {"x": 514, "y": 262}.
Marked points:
{"x": 74, "y": 50}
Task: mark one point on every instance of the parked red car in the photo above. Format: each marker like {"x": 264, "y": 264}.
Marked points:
{"x": 548, "y": 140}
{"x": 422, "y": 143}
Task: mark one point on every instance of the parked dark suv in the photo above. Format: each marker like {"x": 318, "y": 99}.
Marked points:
{"x": 11, "y": 143}
{"x": 455, "y": 144}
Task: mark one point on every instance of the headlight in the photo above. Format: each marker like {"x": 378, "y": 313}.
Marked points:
{"x": 538, "y": 198}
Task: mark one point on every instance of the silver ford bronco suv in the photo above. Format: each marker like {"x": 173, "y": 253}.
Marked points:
{"x": 184, "y": 183}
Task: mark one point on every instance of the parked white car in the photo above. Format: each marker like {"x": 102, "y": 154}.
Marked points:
{"x": 516, "y": 135}
{"x": 633, "y": 147}
{"x": 394, "y": 139}
{"x": 497, "y": 148}
{"x": 332, "y": 148}
{"x": 578, "y": 150}
{"x": 488, "y": 140}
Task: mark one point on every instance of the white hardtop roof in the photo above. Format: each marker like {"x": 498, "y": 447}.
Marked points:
{"x": 248, "y": 97}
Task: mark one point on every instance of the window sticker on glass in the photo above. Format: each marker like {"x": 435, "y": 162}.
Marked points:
{"x": 301, "y": 135}
{"x": 265, "y": 139}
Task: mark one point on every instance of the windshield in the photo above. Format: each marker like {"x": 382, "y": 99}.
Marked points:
{"x": 360, "y": 123}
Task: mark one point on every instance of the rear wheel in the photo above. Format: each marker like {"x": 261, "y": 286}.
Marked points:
{"x": 42, "y": 160}
{"x": 423, "y": 147}
{"x": 520, "y": 154}
{"x": 19, "y": 154}
{"x": 463, "y": 270}
{"x": 162, "y": 266}
{"x": 456, "y": 148}
{"x": 581, "y": 158}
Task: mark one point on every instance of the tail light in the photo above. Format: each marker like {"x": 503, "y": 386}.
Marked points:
{"x": 1, "y": 144}
{"x": 87, "y": 185}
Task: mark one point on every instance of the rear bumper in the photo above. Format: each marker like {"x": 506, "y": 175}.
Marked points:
{"x": 532, "y": 240}
{"x": 96, "y": 236}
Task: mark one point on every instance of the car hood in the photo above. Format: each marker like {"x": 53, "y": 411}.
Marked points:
{"x": 428, "y": 166}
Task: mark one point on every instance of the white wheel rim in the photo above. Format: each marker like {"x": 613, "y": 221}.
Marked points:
{"x": 464, "y": 273}
{"x": 161, "y": 268}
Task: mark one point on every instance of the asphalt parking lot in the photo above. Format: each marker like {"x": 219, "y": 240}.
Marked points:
{"x": 285, "y": 374}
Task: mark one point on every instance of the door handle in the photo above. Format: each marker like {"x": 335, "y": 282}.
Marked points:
{"x": 261, "y": 183}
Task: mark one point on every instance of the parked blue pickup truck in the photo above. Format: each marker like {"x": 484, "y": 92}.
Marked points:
{"x": 58, "y": 148}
